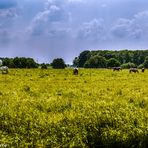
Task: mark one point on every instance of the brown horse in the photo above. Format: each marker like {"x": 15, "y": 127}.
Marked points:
{"x": 117, "y": 68}
{"x": 135, "y": 70}
{"x": 142, "y": 70}
{"x": 75, "y": 71}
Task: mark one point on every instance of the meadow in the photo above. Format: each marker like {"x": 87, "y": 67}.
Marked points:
{"x": 54, "y": 108}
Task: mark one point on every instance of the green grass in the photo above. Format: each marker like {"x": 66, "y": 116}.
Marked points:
{"x": 53, "y": 108}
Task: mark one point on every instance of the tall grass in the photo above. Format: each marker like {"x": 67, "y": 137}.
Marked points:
{"x": 53, "y": 108}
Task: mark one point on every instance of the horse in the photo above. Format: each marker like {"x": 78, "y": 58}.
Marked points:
{"x": 4, "y": 69}
{"x": 117, "y": 68}
{"x": 75, "y": 71}
{"x": 142, "y": 70}
{"x": 135, "y": 70}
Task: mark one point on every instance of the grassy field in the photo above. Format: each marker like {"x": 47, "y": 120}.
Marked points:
{"x": 53, "y": 108}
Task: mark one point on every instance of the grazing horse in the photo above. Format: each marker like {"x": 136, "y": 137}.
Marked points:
{"x": 135, "y": 70}
{"x": 117, "y": 68}
{"x": 4, "y": 69}
{"x": 75, "y": 71}
{"x": 142, "y": 70}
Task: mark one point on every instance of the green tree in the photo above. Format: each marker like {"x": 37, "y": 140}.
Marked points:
{"x": 1, "y": 62}
{"x": 8, "y": 62}
{"x": 76, "y": 62}
{"x": 128, "y": 65}
{"x": 146, "y": 62}
{"x": 146, "y": 58}
{"x": 83, "y": 57}
{"x": 30, "y": 63}
{"x": 123, "y": 56}
{"x": 23, "y": 62}
{"x": 96, "y": 62}
{"x": 17, "y": 62}
{"x": 43, "y": 66}
{"x": 141, "y": 66}
{"x": 113, "y": 63}
{"x": 58, "y": 63}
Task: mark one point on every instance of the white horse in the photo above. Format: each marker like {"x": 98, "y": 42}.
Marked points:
{"x": 3, "y": 69}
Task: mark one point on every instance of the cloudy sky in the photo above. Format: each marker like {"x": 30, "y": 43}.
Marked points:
{"x": 47, "y": 29}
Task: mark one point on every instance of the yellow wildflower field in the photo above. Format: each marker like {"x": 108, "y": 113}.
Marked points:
{"x": 54, "y": 108}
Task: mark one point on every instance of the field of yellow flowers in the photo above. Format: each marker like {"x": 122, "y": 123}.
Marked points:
{"x": 54, "y": 108}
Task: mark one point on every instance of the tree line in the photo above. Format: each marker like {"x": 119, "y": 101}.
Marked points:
{"x": 19, "y": 62}
{"x": 88, "y": 59}
{"x": 110, "y": 58}
{"x": 23, "y": 62}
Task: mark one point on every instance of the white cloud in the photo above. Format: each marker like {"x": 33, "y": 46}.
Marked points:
{"x": 7, "y": 36}
{"x": 93, "y": 30}
{"x": 135, "y": 28}
{"x": 122, "y": 28}
{"x": 8, "y": 13}
{"x": 50, "y": 20}
{"x": 66, "y": 27}
{"x": 141, "y": 20}
{"x": 4, "y": 36}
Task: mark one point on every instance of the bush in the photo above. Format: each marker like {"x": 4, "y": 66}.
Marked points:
{"x": 141, "y": 66}
{"x": 128, "y": 65}
{"x": 58, "y": 63}
{"x": 43, "y": 66}
{"x": 113, "y": 63}
{"x": 145, "y": 64}
{"x": 95, "y": 62}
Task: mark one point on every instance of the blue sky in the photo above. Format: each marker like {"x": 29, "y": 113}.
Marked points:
{"x": 47, "y": 29}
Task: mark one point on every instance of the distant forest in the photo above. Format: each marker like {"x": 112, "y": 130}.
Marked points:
{"x": 110, "y": 58}
{"x": 88, "y": 59}
{"x": 19, "y": 62}
{"x": 23, "y": 62}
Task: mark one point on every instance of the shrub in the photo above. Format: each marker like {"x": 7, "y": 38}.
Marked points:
{"x": 113, "y": 63}
{"x": 43, "y": 66}
{"x": 96, "y": 62}
{"x": 141, "y": 66}
{"x": 58, "y": 63}
{"x": 128, "y": 65}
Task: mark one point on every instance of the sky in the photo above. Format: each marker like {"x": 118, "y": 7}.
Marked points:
{"x": 48, "y": 29}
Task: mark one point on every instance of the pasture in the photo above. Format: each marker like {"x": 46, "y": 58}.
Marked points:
{"x": 54, "y": 108}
